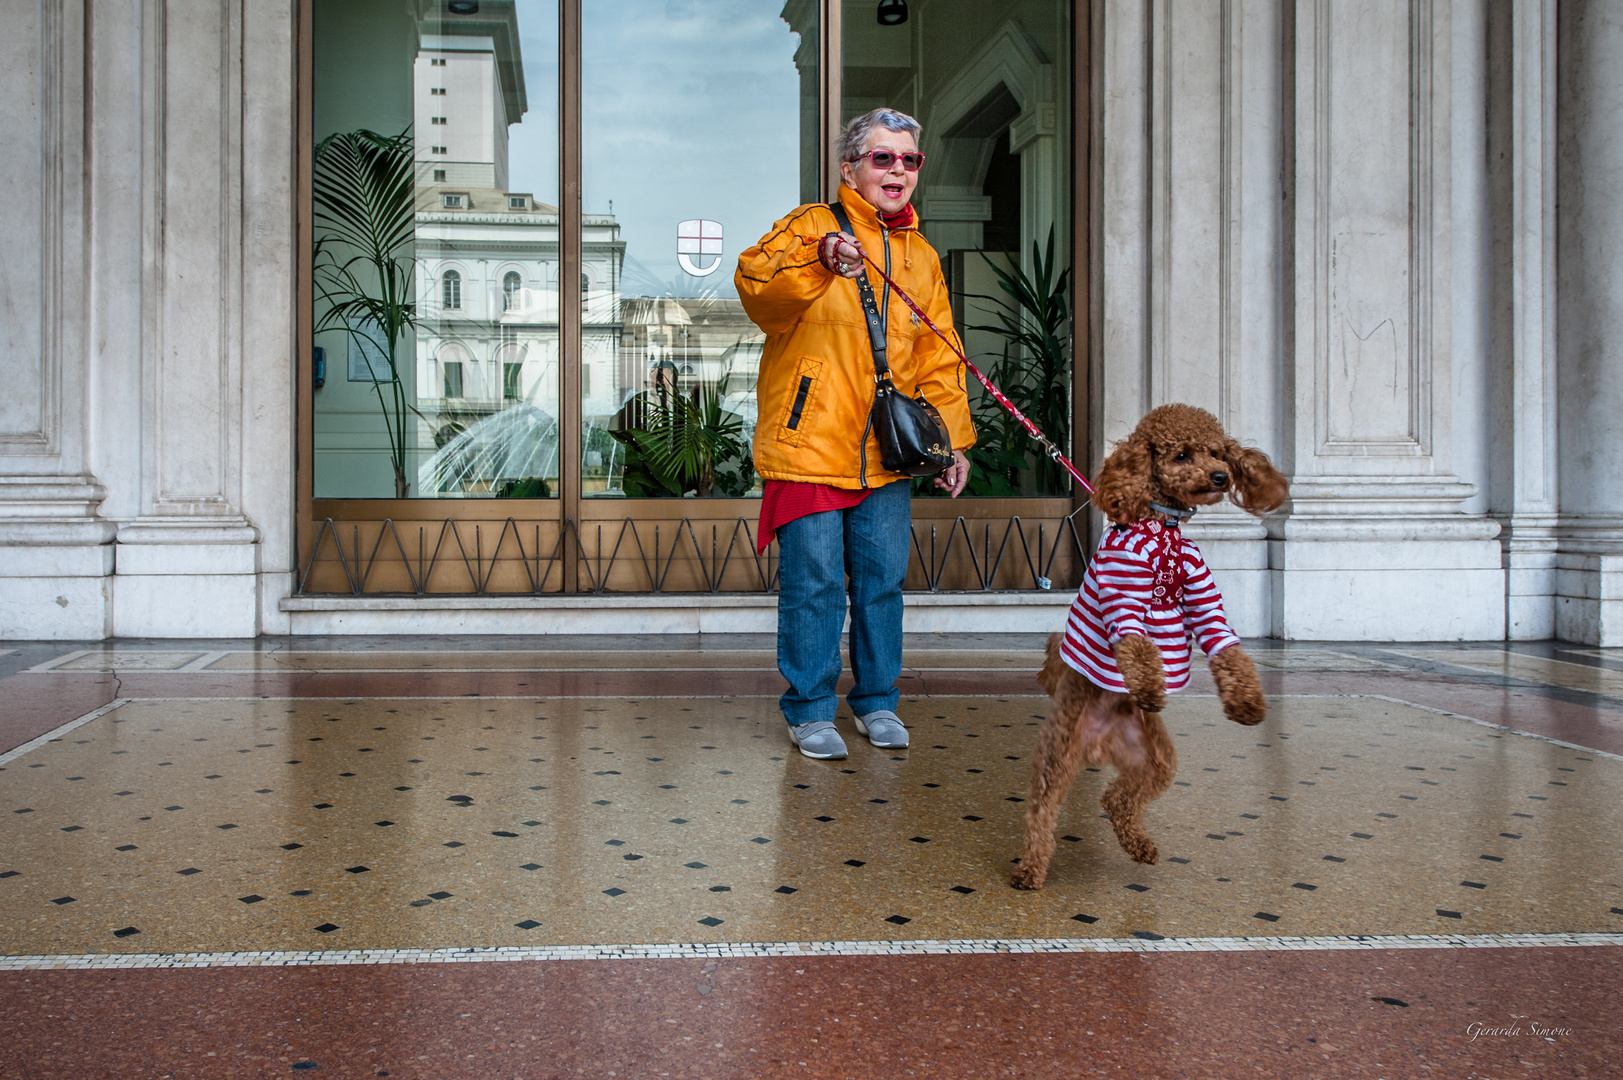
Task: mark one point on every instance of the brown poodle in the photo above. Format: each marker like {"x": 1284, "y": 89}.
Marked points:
{"x": 1126, "y": 641}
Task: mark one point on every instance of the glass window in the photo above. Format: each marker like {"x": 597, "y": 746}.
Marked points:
{"x": 456, "y": 104}
{"x": 699, "y": 124}
{"x": 991, "y": 85}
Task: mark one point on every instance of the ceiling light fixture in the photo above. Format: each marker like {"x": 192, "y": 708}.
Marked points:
{"x": 892, "y": 12}
{"x": 463, "y": 7}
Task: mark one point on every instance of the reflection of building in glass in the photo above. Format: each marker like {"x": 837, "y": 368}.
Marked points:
{"x": 488, "y": 294}
{"x": 487, "y": 271}
{"x": 684, "y": 345}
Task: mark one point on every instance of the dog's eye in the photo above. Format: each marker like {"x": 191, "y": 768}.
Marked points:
{"x": 1183, "y": 455}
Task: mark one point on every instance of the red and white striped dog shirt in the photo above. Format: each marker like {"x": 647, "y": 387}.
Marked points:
{"x": 1145, "y": 579}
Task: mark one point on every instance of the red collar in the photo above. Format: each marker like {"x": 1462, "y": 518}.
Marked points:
{"x": 901, "y": 219}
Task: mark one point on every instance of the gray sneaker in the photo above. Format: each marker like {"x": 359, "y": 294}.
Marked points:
{"x": 819, "y": 739}
{"x": 883, "y": 729}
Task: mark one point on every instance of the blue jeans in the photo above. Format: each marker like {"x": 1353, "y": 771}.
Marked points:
{"x": 867, "y": 543}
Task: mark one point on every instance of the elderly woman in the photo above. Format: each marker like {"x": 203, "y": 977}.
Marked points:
{"x": 836, "y": 512}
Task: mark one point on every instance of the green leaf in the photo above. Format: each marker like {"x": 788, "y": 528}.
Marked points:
{"x": 364, "y": 192}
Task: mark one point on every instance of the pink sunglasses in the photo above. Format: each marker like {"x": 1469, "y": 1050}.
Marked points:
{"x": 884, "y": 160}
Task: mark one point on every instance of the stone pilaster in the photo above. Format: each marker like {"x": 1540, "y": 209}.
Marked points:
{"x": 1377, "y": 544}
{"x": 1188, "y": 236}
{"x": 187, "y": 559}
{"x": 55, "y": 551}
{"x": 1522, "y": 307}
{"x": 1589, "y": 558}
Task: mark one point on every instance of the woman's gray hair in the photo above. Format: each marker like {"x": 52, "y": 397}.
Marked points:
{"x": 854, "y": 137}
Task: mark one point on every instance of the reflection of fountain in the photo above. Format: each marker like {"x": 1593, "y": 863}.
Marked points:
{"x": 514, "y": 444}
{"x": 602, "y": 453}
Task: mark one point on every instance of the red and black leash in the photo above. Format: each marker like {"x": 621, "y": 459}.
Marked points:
{"x": 1033, "y": 430}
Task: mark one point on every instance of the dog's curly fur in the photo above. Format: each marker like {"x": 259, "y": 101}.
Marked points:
{"x": 1178, "y": 456}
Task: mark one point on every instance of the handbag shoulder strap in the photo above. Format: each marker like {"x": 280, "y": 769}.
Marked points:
{"x": 870, "y": 308}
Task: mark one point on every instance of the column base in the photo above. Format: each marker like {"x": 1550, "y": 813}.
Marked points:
{"x": 1529, "y": 546}
{"x": 56, "y": 560}
{"x": 1589, "y": 598}
{"x": 1398, "y": 580}
{"x": 1235, "y": 547}
{"x": 184, "y": 579}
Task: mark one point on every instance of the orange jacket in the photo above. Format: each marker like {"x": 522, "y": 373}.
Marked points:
{"x": 816, "y": 384}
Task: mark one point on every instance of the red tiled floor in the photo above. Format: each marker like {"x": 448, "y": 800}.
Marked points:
{"x": 1276, "y": 1015}
{"x": 31, "y": 705}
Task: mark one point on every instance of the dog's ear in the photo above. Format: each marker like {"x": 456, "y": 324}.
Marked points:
{"x": 1258, "y": 486}
{"x": 1123, "y": 489}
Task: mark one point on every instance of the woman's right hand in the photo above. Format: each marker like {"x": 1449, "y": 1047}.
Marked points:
{"x": 841, "y": 253}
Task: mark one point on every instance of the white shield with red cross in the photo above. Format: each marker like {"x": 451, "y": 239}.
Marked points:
{"x": 699, "y": 238}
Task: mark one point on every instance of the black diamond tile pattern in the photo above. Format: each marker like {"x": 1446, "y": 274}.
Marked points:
{"x": 364, "y": 830}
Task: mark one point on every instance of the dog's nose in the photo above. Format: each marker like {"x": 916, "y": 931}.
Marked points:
{"x": 1220, "y": 479}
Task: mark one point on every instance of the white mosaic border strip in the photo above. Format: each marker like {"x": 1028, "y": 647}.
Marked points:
{"x": 57, "y": 733}
{"x": 48, "y": 665}
{"x": 800, "y": 949}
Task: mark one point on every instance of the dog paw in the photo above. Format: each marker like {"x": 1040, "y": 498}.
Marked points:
{"x": 1247, "y": 709}
{"x": 1139, "y": 662}
{"x": 1238, "y": 687}
{"x": 1028, "y": 877}
{"x": 1136, "y": 843}
{"x": 1141, "y": 849}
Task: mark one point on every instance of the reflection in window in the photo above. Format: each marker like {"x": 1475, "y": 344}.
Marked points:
{"x": 478, "y": 402}
{"x": 668, "y": 357}
{"x": 992, "y": 196}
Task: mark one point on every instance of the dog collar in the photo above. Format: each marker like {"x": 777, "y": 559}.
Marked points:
{"x": 1175, "y": 515}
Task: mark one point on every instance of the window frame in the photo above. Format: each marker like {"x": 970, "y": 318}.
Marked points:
{"x": 586, "y": 513}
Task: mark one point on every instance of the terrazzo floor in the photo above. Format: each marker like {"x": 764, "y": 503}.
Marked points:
{"x": 448, "y": 858}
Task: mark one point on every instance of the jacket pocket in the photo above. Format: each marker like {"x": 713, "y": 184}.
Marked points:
{"x": 801, "y": 400}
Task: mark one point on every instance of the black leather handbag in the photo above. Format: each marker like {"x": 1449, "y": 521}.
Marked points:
{"x": 912, "y": 436}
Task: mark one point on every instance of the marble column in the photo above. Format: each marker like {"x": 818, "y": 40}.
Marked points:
{"x": 56, "y": 553}
{"x": 1521, "y": 306}
{"x": 187, "y": 557}
{"x": 1378, "y": 543}
{"x": 147, "y": 431}
{"x": 1190, "y": 230}
{"x": 1589, "y": 167}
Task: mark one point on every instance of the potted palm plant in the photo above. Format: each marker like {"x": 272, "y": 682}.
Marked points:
{"x": 685, "y": 442}
{"x": 365, "y": 215}
{"x": 1034, "y": 321}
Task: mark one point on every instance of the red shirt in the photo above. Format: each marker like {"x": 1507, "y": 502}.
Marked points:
{"x": 782, "y": 501}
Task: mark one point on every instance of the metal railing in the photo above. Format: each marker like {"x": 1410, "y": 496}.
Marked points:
{"x": 449, "y": 558}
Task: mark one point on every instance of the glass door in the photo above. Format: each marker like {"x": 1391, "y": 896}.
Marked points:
{"x": 435, "y": 220}
{"x": 698, "y": 131}
{"x": 991, "y": 85}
